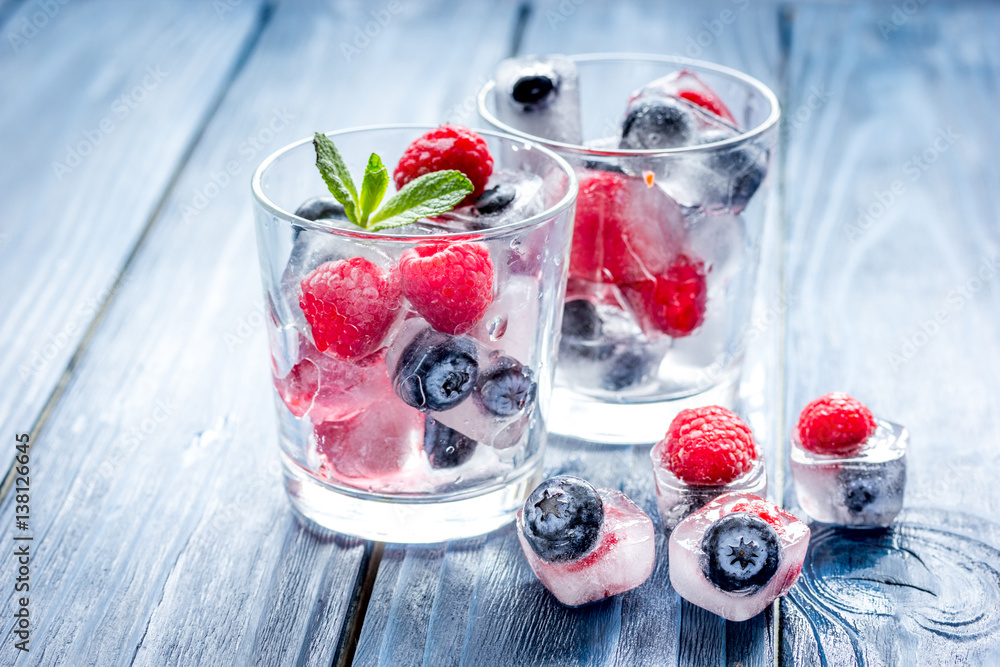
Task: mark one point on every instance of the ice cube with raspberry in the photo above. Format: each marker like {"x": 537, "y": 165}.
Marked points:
{"x": 474, "y": 390}
{"x": 681, "y": 110}
{"x": 736, "y": 555}
{"x": 625, "y": 230}
{"x": 848, "y": 467}
{"x": 321, "y": 387}
{"x": 585, "y": 544}
{"x": 372, "y": 444}
{"x": 539, "y": 95}
{"x": 706, "y": 452}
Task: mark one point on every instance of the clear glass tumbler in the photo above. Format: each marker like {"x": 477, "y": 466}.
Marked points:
{"x": 358, "y": 458}
{"x": 667, "y": 242}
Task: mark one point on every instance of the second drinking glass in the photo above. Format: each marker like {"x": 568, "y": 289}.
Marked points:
{"x": 672, "y": 157}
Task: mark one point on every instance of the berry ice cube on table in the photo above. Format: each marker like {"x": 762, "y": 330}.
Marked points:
{"x": 707, "y": 452}
{"x": 736, "y": 555}
{"x": 849, "y": 468}
{"x": 539, "y": 95}
{"x": 585, "y": 544}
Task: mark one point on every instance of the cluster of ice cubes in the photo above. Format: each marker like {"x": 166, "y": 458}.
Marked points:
{"x": 540, "y": 96}
{"x": 361, "y": 430}
{"x": 861, "y": 490}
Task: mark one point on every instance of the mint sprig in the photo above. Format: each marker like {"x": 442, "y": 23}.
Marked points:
{"x": 428, "y": 195}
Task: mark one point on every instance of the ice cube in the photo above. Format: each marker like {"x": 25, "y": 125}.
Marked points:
{"x": 510, "y": 324}
{"x": 463, "y": 384}
{"x": 323, "y": 388}
{"x": 373, "y": 443}
{"x": 602, "y": 348}
{"x": 680, "y": 110}
{"x": 736, "y": 555}
{"x": 862, "y": 490}
{"x": 687, "y": 85}
{"x": 510, "y": 196}
{"x": 676, "y": 499}
{"x": 621, "y": 560}
{"x": 625, "y": 229}
{"x": 539, "y": 95}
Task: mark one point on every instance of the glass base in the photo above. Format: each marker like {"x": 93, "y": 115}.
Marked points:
{"x": 574, "y": 415}
{"x": 414, "y": 519}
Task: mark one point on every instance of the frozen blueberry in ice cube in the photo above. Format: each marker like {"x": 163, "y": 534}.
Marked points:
{"x": 445, "y": 447}
{"x": 742, "y": 552}
{"x": 658, "y": 122}
{"x": 436, "y": 371}
{"x": 736, "y": 555}
{"x": 506, "y": 389}
{"x": 861, "y": 489}
{"x": 495, "y": 199}
{"x": 563, "y": 518}
{"x": 540, "y": 96}
{"x": 534, "y": 91}
{"x": 580, "y": 320}
{"x": 745, "y": 166}
{"x": 628, "y": 367}
{"x": 320, "y": 208}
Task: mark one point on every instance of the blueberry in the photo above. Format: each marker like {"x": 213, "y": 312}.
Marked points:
{"x": 581, "y": 320}
{"x": 861, "y": 489}
{"x": 436, "y": 371}
{"x": 446, "y": 447}
{"x": 506, "y": 388}
{"x": 742, "y": 553}
{"x": 627, "y": 368}
{"x": 495, "y": 199}
{"x": 563, "y": 518}
{"x": 745, "y": 166}
{"x": 533, "y": 92}
{"x": 599, "y": 165}
{"x": 320, "y": 208}
{"x": 657, "y": 123}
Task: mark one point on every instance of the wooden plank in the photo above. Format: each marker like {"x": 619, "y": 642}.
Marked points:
{"x": 892, "y": 263}
{"x": 161, "y": 532}
{"x": 93, "y": 126}
{"x": 485, "y": 606}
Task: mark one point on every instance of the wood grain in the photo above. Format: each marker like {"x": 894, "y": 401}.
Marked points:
{"x": 892, "y": 215}
{"x": 94, "y": 125}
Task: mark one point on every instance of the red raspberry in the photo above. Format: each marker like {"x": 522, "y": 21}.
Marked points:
{"x": 835, "y": 424}
{"x": 449, "y": 284}
{"x": 622, "y": 229}
{"x": 350, "y": 305}
{"x": 447, "y": 147}
{"x": 673, "y": 302}
{"x": 709, "y": 446}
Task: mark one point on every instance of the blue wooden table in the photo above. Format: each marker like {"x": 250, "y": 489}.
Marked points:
{"x": 133, "y": 353}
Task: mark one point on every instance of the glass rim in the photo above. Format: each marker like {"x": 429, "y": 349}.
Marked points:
{"x": 564, "y": 203}
{"x": 766, "y": 125}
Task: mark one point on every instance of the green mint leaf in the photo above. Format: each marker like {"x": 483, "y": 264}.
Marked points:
{"x": 425, "y": 196}
{"x": 373, "y": 187}
{"x": 333, "y": 170}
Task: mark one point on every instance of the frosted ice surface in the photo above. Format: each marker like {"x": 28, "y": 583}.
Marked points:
{"x": 621, "y": 560}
